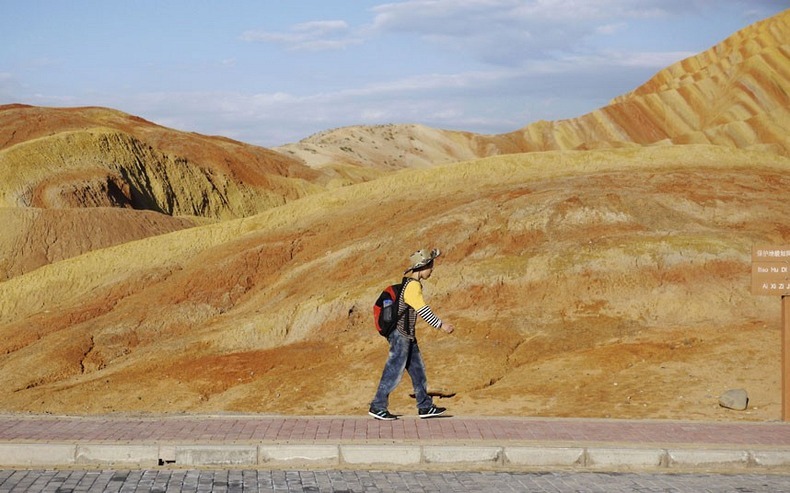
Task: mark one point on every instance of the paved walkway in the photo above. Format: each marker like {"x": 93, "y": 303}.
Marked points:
{"x": 348, "y": 481}
{"x": 274, "y": 441}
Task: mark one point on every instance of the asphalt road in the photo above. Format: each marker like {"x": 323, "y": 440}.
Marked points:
{"x": 200, "y": 480}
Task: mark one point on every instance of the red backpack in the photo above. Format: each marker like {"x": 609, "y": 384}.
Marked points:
{"x": 385, "y": 310}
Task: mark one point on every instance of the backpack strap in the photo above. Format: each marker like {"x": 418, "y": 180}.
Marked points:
{"x": 401, "y": 300}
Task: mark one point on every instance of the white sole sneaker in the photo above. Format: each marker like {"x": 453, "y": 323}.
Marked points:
{"x": 433, "y": 412}
{"x": 384, "y": 416}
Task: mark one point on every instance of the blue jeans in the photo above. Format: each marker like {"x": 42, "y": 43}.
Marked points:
{"x": 404, "y": 355}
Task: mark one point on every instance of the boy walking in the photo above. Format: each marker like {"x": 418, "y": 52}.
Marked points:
{"x": 404, "y": 353}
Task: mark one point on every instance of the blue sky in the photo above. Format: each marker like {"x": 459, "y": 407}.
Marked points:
{"x": 273, "y": 72}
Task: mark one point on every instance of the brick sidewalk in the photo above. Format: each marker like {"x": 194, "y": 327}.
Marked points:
{"x": 284, "y": 429}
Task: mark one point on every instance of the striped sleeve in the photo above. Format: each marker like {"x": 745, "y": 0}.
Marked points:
{"x": 428, "y": 315}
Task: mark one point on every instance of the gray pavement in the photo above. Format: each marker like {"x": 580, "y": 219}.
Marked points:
{"x": 195, "y": 480}
{"x": 360, "y": 443}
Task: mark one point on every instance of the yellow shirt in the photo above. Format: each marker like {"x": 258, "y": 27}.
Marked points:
{"x": 412, "y": 295}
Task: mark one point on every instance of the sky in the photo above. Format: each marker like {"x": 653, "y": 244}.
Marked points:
{"x": 271, "y": 72}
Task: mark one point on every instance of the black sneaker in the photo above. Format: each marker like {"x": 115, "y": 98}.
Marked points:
{"x": 430, "y": 412}
{"x": 382, "y": 414}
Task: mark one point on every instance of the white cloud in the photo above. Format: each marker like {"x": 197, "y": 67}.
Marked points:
{"x": 513, "y": 32}
{"x": 504, "y": 32}
{"x": 321, "y": 28}
{"x": 494, "y": 31}
{"x": 309, "y": 36}
{"x": 609, "y": 29}
{"x": 497, "y": 32}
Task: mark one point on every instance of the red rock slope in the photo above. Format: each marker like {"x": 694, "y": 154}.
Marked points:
{"x": 56, "y": 161}
{"x": 94, "y": 157}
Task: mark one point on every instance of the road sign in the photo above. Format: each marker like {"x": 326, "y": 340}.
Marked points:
{"x": 771, "y": 276}
{"x": 771, "y": 271}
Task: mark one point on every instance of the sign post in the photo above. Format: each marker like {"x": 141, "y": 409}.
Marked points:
{"x": 785, "y": 358}
{"x": 771, "y": 277}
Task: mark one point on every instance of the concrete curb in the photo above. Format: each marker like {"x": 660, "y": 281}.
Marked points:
{"x": 370, "y": 455}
